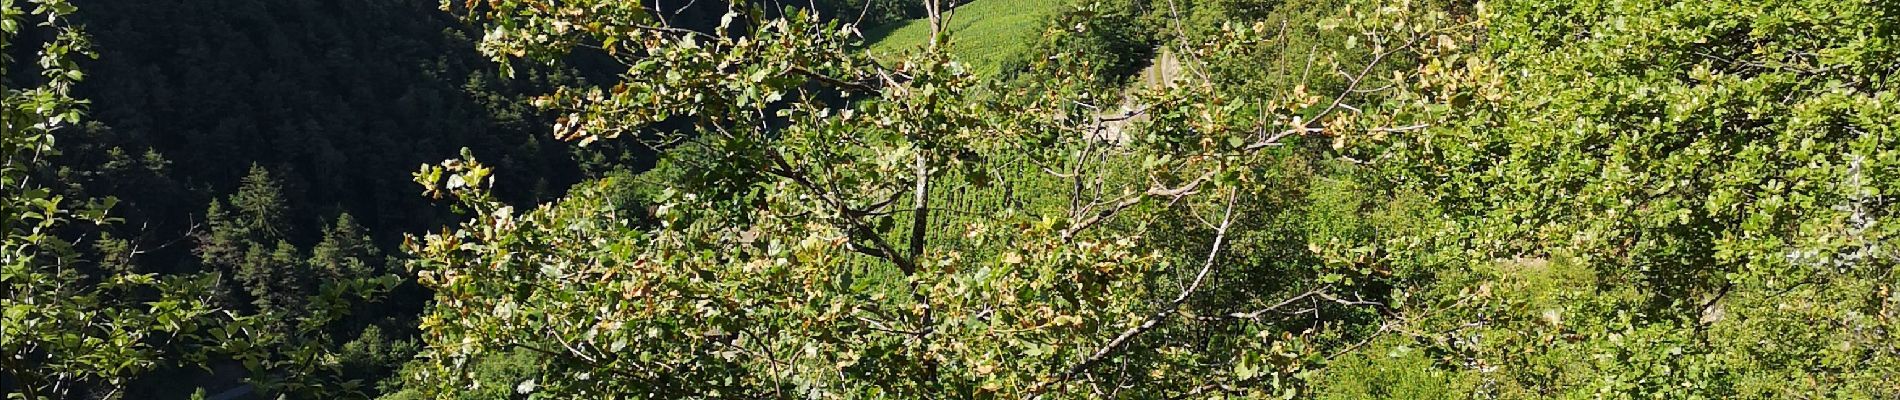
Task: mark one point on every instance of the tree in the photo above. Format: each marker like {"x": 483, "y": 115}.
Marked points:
{"x": 346, "y": 250}
{"x": 1337, "y": 199}
{"x": 251, "y": 243}
{"x": 303, "y": 308}
{"x": 69, "y": 330}
{"x": 808, "y": 249}
{"x": 259, "y": 202}
{"x": 1681, "y": 193}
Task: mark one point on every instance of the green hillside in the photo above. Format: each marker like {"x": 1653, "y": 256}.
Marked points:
{"x": 987, "y": 34}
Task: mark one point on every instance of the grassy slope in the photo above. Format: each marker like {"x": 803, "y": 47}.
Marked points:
{"x": 986, "y": 34}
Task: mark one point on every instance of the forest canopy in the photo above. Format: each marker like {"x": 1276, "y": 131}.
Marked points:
{"x": 1151, "y": 199}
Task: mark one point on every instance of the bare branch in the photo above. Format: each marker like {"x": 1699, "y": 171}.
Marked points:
{"x": 834, "y": 82}
{"x": 920, "y": 202}
{"x": 1175, "y": 193}
{"x": 1255, "y": 314}
{"x": 1154, "y": 320}
{"x": 882, "y": 248}
{"x": 1352, "y": 85}
{"x": 919, "y": 228}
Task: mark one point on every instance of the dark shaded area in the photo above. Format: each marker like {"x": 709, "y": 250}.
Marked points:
{"x": 340, "y": 99}
{"x": 304, "y": 119}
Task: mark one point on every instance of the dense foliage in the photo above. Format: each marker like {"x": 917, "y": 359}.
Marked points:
{"x": 1339, "y": 199}
{"x": 67, "y": 329}
{"x": 1691, "y": 195}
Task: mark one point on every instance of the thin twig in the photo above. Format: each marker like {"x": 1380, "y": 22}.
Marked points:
{"x": 1154, "y": 320}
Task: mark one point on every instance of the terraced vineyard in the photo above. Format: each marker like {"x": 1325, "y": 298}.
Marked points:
{"x": 1021, "y": 192}
{"x": 990, "y": 35}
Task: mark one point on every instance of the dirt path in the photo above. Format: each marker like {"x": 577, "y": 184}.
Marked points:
{"x": 1163, "y": 70}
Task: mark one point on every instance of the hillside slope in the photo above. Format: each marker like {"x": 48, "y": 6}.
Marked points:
{"x": 989, "y": 35}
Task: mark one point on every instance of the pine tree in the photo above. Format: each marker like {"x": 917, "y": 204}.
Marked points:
{"x": 260, "y": 201}
{"x": 346, "y": 250}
